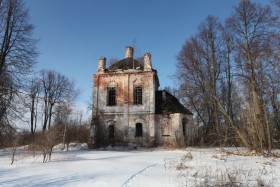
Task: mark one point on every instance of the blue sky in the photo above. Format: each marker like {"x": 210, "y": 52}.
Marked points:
{"x": 74, "y": 34}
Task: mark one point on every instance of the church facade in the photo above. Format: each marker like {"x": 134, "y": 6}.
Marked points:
{"x": 128, "y": 106}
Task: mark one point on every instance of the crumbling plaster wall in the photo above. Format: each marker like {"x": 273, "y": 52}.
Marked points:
{"x": 169, "y": 129}
{"x": 125, "y": 128}
{"x": 125, "y": 114}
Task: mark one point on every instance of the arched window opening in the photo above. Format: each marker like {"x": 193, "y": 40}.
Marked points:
{"x": 111, "y": 130}
{"x": 139, "y": 130}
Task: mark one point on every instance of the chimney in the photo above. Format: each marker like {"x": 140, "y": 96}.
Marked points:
{"x": 147, "y": 62}
{"x": 102, "y": 65}
{"x": 129, "y": 52}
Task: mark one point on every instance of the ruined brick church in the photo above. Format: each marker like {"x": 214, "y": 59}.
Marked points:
{"x": 128, "y": 106}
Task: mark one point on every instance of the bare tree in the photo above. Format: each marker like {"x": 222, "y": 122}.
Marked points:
{"x": 212, "y": 37}
{"x": 17, "y": 54}
{"x": 199, "y": 62}
{"x": 231, "y": 76}
{"x": 62, "y": 118}
{"x": 253, "y": 25}
{"x": 33, "y": 93}
{"x": 274, "y": 78}
{"x": 56, "y": 89}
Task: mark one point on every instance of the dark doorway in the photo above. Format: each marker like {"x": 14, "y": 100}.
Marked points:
{"x": 111, "y": 130}
{"x": 184, "y": 123}
{"x": 139, "y": 130}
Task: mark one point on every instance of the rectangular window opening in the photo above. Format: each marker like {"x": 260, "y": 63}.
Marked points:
{"x": 111, "y": 96}
{"x": 137, "y": 95}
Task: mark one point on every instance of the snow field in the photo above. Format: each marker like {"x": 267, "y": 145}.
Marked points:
{"x": 144, "y": 167}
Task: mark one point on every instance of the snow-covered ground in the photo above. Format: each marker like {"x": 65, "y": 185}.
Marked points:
{"x": 144, "y": 167}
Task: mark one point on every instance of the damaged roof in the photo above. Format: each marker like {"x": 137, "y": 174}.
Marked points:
{"x": 125, "y": 64}
{"x": 166, "y": 103}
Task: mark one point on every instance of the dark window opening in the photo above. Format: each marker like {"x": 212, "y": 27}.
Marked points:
{"x": 138, "y": 95}
{"x": 139, "y": 130}
{"x": 184, "y": 123}
{"x": 111, "y": 96}
{"x": 111, "y": 130}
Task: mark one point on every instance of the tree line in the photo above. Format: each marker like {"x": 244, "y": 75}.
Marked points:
{"x": 29, "y": 99}
{"x": 229, "y": 74}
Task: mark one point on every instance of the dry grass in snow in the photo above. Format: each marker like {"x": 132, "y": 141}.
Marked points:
{"x": 142, "y": 167}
